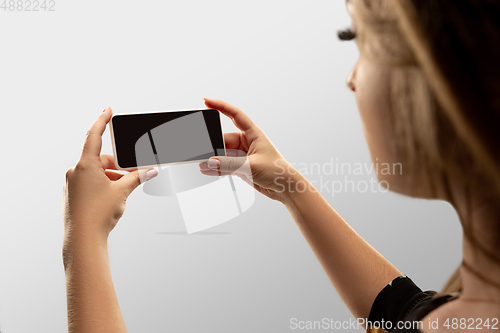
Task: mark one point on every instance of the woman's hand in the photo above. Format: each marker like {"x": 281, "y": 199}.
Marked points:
{"x": 93, "y": 202}
{"x": 94, "y": 197}
{"x": 268, "y": 172}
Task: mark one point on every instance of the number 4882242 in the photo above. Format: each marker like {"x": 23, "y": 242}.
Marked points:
{"x": 471, "y": 323}
{"x": 28, "y": 6}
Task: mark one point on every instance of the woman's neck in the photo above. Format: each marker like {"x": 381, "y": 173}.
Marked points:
{"x": 476, "y": 262}
{"x": 481, "y": 233}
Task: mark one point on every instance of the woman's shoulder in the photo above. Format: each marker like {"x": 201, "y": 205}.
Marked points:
{"x": 401, "y": 305}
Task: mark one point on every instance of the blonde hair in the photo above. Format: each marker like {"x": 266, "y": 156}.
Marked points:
{"x": 445, "y": 126}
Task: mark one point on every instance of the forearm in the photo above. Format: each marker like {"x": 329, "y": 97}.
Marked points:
{"x": 91, "y": 299}
{"x": 357, "y": 271}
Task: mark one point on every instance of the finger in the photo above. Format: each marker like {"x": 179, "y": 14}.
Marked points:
{"x": 93, "y": 141}
{"x": 232, "y": 140}
{"x": 131, "y": 180}
{"x": 210, "y": 172}
{"x": 229, "y": 164}
{"x": 229, "y": 153}
{"x": 239, "y": 118}
{"x": 113, "y": 175}
{"x": 108, "y": 162}
{"x": 235, "y": 152}
{"x": 203, "y": 165}
{"x": 204, "y": 169}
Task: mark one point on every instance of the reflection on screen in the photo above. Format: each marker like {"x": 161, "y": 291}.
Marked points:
{"x": 168, "y": 137}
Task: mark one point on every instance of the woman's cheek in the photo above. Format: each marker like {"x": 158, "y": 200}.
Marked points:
{"x": 372, "y": 94}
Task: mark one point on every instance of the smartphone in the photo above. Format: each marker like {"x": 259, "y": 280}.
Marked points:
{"x": 153, "y": 139}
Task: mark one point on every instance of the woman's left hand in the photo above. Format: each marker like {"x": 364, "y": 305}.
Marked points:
{"x": 94, "y": 197}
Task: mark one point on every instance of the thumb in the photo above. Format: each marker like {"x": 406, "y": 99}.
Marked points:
{"x": 229, "y": 164}
{"x": 135, "y": 178}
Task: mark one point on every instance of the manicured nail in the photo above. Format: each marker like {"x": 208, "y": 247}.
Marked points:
{"x": 151, "y": 174}
{"x": 106, "y": 109}
{"x": 213, "y": 163}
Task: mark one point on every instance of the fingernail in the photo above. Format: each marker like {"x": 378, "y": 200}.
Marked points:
{"x": 213, "y": 163}
{"x": 106, "y": 109}
{"x": 207, "y": 99}
{"x": 151, "y": 174}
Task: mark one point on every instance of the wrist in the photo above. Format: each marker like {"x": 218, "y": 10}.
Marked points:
{"x": 297, "y": 185}
{"x": 82, "y": 245}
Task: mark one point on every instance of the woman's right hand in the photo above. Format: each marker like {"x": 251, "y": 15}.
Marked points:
{"x": 269, "y": 172}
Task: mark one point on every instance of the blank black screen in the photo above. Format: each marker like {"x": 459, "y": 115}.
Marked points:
{"x": 167, "y": 137}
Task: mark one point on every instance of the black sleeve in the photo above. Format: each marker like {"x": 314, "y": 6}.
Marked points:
{"x": 396, "y": 300}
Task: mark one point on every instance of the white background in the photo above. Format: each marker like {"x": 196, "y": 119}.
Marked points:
{"x": 281, "y": 63}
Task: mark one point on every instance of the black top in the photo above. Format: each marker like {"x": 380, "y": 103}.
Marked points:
{"x": 401, "y": 305}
